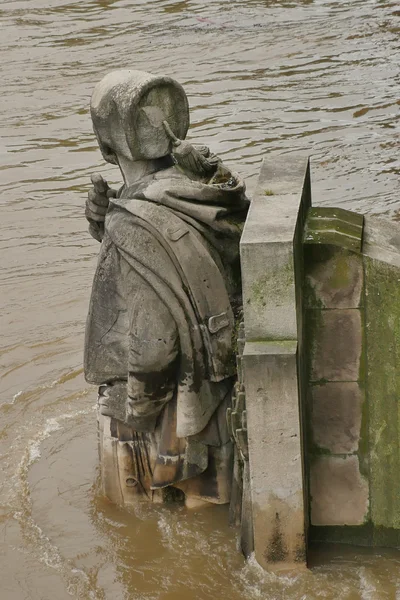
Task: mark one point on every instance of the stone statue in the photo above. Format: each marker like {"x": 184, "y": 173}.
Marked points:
{"x": 166, "y": 297}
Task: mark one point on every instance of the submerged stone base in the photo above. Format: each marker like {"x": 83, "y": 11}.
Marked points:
{"x": 119, "y": 477}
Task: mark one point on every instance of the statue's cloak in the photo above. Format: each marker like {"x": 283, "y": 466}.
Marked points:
{"x": 181, "y": 237}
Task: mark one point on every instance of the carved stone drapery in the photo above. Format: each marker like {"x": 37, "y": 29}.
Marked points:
{"x": 165, "y": 298}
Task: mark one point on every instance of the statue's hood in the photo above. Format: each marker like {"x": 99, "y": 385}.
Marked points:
{"x": 220, "y": 206}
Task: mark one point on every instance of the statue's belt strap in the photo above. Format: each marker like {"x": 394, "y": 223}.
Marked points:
{"x": 175, "y": 233}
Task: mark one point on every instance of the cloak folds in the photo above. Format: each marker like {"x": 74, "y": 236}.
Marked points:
{"x": 181, "y": 238}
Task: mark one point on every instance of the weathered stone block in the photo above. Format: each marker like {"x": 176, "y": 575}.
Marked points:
{"x": 282, "y": 175}
{"x": 336, "y": 344}
{"x": 336, "y": 414}
{"x": 339, "y": 493}
{"x": 383, "y": 360}
{"x": 333, "y": 277}
{"x": 382, "y": 240}
{"x": 269, "y": 292}
{"x": 276, "y": 477}
{"x": 268, "y": 272}
{"x": 334, "y": 226}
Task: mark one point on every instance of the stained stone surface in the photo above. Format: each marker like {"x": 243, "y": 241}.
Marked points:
{"x": 334, "y": 277}
{"x": 336, "y": 345}
{"x": 353, "y": 328}
{"x": 347, "y": 318}
{"x": 270, "y": 361}
{"x": 336, "y": 410}
{"x": 336, "y": 226}
{"x": 275, "y": 452}
{"x": 334, "y": 299}
{"x": 266, "y": 246}
{"x": 339, "y": 493}
{"x": 383, "y": 354}
{"x": 382, "y": 240}
{"x": 108, "y": 450}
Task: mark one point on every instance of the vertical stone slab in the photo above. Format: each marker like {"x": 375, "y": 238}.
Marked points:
{"x": 334, "y": 319}
{"x": 270, "y": 249}
{"x": 267, "y": 257}
{"x": 382, "y": 271}
{"x": 336, "y": 345}
{"x": 339, "y": 491}
{"x": 383, "y": 357}
{"x": 276, "y": 477}
{"x": 336, "y": 416}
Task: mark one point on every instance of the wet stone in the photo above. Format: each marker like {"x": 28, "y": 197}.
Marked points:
{"x": 334, "y": 277}
{"x": 336, "y": 416}
{"x": 336, "y": 345}
{"x": 334, "y": 226}
{"x": 276, "y": 477}
{"x": 383, "y": 356}
{"x": 267, "y": 260}
{"x": 339, "y": 493}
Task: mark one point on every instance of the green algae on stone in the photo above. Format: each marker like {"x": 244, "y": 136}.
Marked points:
{"x": 364, "y": 441}
{"x": 340, "y": 277}
{"x": 333, "y": 277}
{"x": 276, "y": 282}
{"x": 383, "y": 389}
{"x": 334, "y": 226}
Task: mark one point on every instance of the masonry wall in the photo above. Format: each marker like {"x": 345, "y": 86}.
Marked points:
{"x": 337, "y": 413}
{"x": 351, "y": 316}
{"x": 321, "y": 367}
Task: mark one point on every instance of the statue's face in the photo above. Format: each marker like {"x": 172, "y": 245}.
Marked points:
{"x": 128, "y": 109}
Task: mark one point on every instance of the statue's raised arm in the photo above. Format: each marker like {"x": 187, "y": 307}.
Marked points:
{"x": 165, "y": 298}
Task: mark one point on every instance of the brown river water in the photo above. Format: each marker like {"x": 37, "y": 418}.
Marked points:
{"x": 263, "y": 76}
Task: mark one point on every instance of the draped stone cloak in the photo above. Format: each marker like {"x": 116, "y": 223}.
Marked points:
{"x": 177, "y": 241}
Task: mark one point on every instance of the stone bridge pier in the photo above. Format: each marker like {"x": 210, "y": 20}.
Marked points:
{"x": 321, "y": 295}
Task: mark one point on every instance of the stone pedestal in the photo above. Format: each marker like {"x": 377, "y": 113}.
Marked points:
{"x": 270, "y": 249}
{"x": 274, "y": 440}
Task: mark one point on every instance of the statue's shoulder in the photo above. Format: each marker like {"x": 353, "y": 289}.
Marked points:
{"x": 158, "y": 219}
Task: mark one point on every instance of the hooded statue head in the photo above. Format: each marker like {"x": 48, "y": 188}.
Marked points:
{"x": 128, "y": 109}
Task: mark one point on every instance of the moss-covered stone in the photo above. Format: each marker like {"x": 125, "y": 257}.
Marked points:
{"x": 335, "y": 344}
{"x": 364, "y": 442}
{"x": 277, "y": 282}
{"x": 383, "y": 389}
{"x": 333, "y": 277}
{"x": 358, "y": 535}
{"x": 336, "y": 416}
{"x": 334, "y": 226}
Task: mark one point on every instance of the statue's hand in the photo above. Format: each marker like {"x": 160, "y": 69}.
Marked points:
{"x": 97, "y": 205}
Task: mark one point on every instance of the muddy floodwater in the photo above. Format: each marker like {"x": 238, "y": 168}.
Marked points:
{"x": 263, "y": 77}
